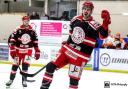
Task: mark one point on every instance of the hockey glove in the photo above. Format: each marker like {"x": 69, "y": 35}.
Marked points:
{"x": 12, "y": 52}
{"x": 37, "y": 53}
{"x": 106, "y": 19}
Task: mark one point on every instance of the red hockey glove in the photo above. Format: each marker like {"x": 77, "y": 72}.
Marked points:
{"x": 12, "y": 52}
{"x": 37, "y": 53}
{"x": 106, "y": 18}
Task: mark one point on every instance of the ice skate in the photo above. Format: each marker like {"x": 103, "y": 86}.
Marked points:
{"x": 24, "y": 84}
{"x": 8, "y": 84}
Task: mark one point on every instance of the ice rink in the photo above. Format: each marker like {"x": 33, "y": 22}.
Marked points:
{"x": 89, "y": 80}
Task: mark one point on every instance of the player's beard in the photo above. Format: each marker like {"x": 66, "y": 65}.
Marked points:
{"x": 86, "y": 16}
{"x": 26, "y": 24}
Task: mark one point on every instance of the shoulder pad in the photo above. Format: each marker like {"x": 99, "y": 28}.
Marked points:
{"x": 79, "y": 17}
{"x": 33, "y": 30}
{"x": 94, "y": 24}
{"x": 16, "y": 29}
{"x": 30, "y": 27}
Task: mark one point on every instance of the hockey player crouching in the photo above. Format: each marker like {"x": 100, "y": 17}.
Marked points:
{"x": 79, "y": 46}
{"x": 21, "y": 42}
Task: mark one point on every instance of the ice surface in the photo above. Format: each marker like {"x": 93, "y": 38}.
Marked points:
{"x": 89, "y": 80}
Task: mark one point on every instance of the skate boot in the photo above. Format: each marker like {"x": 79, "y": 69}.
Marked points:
{"x": 45, "y": 85}
{"x": 42, "y": 87}
{"x": 24, "y": 83}
{"x": 8, "y": 84}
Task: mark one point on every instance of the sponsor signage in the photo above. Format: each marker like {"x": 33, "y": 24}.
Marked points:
{"x": 4, "y": 52}
{"x": 113, "y": 59}
{"x": 48, "y": 53}
{"x": 96, "y": 59}
{"x": 49, "y": 31}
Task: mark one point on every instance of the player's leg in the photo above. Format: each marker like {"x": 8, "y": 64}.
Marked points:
{"x": 25, "y": 65}
{"x": 48, "y": 76}
{"x": 73, "y": 83}
{"x": 12, "y": 74}
{"x": 77, "y": 62}
{"x": 24, "y": 78}
{"x": 15, "y": 65}
{"x": 50, "y": 69}
{"x": 75, "y": 71}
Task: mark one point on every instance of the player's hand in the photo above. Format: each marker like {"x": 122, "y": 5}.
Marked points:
{"x": 106, "y": 17}
{"x": 37, "y": 53}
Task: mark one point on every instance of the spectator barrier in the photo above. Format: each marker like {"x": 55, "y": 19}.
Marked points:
{"x": 52, "y": 33}
{"x": 110, "y": 60}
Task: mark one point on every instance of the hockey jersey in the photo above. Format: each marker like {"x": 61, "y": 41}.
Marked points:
{"x": 84, "y": 33}
{"x": 23, "y": 37}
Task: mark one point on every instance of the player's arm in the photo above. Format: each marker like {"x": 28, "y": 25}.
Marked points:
{"x": 72, "y": 25}
{"x": 103, "y": 29}
{"x": 12, "y": 43}
{"x": 36, "y": 46}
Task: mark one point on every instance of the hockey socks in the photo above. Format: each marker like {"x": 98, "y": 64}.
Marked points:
{"x": 48, "y": 76}
{"x": 73, "y": 83}
{"x": 12, "y": 75}
{"x": 47, "y": 79}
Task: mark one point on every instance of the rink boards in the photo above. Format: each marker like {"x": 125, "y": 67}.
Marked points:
{"x": 109, "y": 60}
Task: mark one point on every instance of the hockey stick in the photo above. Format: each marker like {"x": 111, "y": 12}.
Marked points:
{"x": 32, "y": 75}
{"x": 25, "y": 76}
{"x": 21, "y": 70}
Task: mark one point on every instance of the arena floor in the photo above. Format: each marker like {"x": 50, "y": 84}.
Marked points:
{"x": 89, "y": 80}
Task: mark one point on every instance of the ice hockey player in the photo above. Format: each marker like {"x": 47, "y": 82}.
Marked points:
{"x": 21, "y": 42}
{"x": 79, "y": 46}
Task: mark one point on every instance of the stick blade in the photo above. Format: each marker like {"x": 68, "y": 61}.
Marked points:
{"x": 30, "y": 81}
{"x": 26, "y": 74}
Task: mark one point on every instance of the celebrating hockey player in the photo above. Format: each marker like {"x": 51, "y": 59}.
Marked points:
{"x": 21, "y": 42}
{"x": 77, "y": 50}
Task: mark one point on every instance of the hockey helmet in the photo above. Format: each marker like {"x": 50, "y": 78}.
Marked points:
{"x": 88, "y": 4}
{"x": 25, "y": 18}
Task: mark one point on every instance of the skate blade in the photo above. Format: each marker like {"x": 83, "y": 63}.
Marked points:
{"x": 7, "y": 87}
{"x": 24, "y": 87}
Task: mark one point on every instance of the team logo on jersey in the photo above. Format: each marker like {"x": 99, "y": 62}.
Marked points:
{"x": 25, "y": 38}
{"x": 78, "y": 35}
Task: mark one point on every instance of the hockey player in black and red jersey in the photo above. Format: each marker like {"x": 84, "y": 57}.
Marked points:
{"x": 21, "y": 42}
{"x": 76, "y": 51}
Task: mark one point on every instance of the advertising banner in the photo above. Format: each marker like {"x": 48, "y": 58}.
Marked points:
{"x": 113, "y": 59}
{"x": 51, "y": 29}
{"x": 48, "y": 53}
{"x": 50, "y": 32}
{"x": 4, "y": 52}
{"x": 95, "y": 55}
